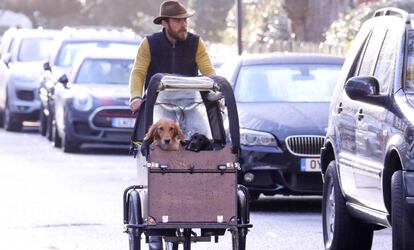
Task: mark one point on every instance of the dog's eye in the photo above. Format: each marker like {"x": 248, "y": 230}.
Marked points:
{"x": 171, "y": 128}
{"x": 161, "y": 128}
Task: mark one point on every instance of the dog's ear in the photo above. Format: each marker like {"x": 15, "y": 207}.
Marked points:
{"x": 179, "y": 132}
{"x": 152, "y": 132}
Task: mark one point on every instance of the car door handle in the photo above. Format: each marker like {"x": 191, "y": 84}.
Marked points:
{"x": 360, "y": 115}
{"x": 339, "y": 108}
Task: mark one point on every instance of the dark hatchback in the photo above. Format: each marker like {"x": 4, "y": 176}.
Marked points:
{"x": 93, "y": 107}
{"x": 69, "y": 45}
{"x": 283, "y": 103}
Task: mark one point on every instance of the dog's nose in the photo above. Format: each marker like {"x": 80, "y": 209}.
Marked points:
{"x": 167, "y": 141}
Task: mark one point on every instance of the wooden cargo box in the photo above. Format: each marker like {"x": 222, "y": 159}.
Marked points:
{"x": 192, "y": 187}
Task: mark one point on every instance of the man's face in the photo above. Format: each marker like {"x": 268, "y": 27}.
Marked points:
{"x": 176, "y": 28}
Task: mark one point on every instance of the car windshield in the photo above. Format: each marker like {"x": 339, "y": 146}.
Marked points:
{"x": 286, "y": 83}
{"x": 409, "y": 83}
{"x": 69, "y": 50}
{"x": 104, "y": 71}
{"x": 34, "y": 49}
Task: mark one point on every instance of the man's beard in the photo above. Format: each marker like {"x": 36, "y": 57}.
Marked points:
{"x": 181, "y": 35}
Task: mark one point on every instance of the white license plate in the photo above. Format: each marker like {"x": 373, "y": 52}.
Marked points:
{"x": 123, "y": 122}
{"x": 310, "y": 165}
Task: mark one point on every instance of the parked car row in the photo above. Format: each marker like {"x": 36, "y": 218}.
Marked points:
{"x": 57, "y": 77}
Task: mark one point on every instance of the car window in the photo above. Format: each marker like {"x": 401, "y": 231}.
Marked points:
{"x": 34, "y": 49}
{"x": 360, "y": 54}
{"x": 70, "y": 50}
{"x": 104, "y": 71}
{"x": 286, "y": 83}
{"x": 385, "y": 67}
{"x": 371, "y": 52}
{"x": 409, "y": 82}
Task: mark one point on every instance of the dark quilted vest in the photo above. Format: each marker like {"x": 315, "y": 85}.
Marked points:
{"x": 166, "y": 58}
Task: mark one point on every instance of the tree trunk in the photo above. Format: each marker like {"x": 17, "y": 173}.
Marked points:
{"x": 311, "y": 18}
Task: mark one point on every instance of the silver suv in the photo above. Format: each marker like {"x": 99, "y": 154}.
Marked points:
{"x": 22, "y": 53}
{"x": 367, "y": 160}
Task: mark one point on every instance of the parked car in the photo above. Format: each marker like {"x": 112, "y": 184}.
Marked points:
{"x": 283, "y": 101}
{"x": 69, "y": 45}
{"x": 23, "y": 52}
{"x": 93, "y": 105}
{"x": 368, "y": 158}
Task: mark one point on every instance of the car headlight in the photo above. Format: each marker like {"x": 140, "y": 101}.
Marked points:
{"x": 251, "y": 137}
{"x": 82, "y": 101}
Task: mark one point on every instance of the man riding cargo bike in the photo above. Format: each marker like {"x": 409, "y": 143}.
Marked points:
{"x": 190, "y": 193}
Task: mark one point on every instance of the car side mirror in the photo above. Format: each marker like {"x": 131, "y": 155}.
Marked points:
{"x": 64, "y": 80}
{"x": 365, "y": 89}
{"x": 46, "y": 66}
{"x": 7, "y": 59}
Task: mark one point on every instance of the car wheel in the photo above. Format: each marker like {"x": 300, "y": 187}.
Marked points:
{"x": 134, "y": 219}
{"x": 1, "y": 118}
{"x": 402, "y": 225}
{"x": 11, "y": 123}
{"x": 49, "y": 127}
{"x": 340, "y": 229}
{"x": 42, "y": 122}
{"x": 69, "y": 146}
{"x": 57, "y": 140}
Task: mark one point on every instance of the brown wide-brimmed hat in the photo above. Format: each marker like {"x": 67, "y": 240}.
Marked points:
{"x": 172, "y": 9}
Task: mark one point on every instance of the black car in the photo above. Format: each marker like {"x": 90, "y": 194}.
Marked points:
{"x": 93, "y": 106}
{"x": 368, "y": 156}
{"x": 283, "y": 101}
{"x": 70, "y": 44}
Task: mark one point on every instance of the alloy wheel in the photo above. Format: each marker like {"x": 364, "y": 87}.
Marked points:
{"x": 330, "y": 212}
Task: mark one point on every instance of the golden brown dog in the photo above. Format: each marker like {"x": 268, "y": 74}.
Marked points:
{"x": 167, "y": 134}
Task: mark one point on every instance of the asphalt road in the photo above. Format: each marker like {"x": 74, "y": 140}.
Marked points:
{"x": 56, "y": 201}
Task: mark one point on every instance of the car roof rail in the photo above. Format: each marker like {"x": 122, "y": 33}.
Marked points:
{"x": 75, "y": 31}
{"x": 391, "y": 11}
{"x": 97, "y": 27}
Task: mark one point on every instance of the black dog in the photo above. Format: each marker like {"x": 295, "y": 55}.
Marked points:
{"x": 199, "y": 142}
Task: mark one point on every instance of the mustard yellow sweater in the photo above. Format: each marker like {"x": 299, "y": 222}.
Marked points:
{"x": 143, "y": 59}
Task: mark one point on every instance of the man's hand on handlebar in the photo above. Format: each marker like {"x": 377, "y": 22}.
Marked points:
{"x": 135, "y": 104}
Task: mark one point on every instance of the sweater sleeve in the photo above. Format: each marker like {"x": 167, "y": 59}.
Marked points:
{"x": 139, "y": 70}
{"x": 203, "y": 60}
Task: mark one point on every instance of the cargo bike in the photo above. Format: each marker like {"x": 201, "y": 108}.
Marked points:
{"x": 185, "y": 196}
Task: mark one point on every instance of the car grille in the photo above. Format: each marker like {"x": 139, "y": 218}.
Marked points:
{"x": 102, "y": 118}
{"x": 25, "y": 95}
{"x": 307, "y": 145}
{"x": 83, "y": 128}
